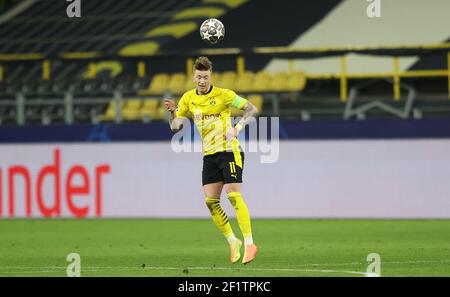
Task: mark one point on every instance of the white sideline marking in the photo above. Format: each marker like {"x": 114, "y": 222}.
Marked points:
{"x": 96, "y": 269}
{"x": 53, "y": 269}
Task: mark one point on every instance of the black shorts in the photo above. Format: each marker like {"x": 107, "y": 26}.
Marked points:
{"x": 222, "y": 167}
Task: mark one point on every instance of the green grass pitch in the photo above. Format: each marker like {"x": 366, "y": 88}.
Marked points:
{"x": 181, "y": 247}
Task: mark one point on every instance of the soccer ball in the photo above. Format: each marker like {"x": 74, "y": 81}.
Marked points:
{"x": 212, "y": 31}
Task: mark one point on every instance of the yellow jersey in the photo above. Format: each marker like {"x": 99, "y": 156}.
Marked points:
{"x": 211, "y": 113}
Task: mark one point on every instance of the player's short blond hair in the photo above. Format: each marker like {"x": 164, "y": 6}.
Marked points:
{"x": 203, "y": 64}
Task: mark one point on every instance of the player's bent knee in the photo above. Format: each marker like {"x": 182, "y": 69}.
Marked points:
{"x": 233, "y": 197}
{"x": 233, "y": 194}
{"x": 211, "y": 202}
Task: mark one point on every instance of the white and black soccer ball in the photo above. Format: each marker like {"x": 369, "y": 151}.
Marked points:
{"x": 212, "y": 31}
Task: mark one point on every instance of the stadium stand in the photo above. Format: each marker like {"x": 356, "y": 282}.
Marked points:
{"x": 54, "y": 69}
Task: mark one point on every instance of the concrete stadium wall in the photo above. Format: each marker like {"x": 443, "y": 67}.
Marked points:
{"x": 311, "y": 179}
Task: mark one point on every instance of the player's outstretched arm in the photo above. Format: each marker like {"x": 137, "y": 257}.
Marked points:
{"x": 249, "y": 114}
{"x": 175, "y": 123}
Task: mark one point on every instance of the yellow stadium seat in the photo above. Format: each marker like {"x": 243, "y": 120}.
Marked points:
{"x": 261, "y": 82}
{"x": 149, "y": 108}
{"x": 296, "y": 81}
{"x": 279, "y": 82}
{"x": 158, "y": 85}
{"x": 244, "y": 82}
{"x": 177, "y": 83}
{"x": 131, "y": 110}
{"x": 110, "y": 113}
{"x": 228, "y": 80}
{"x": 189, "y": 84}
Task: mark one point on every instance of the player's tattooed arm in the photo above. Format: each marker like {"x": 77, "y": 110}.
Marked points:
{"x": 249, "y": 114}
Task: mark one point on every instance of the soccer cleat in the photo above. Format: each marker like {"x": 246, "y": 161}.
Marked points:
{"x": 235, "y": 251}
{"x": 250, "y": 253}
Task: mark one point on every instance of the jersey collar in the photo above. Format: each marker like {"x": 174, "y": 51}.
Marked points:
{"x": 210, "y": 89}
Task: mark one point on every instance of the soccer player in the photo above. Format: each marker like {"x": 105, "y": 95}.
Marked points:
{"x": 223, "y": 161}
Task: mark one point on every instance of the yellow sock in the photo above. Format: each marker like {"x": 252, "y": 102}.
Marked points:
{"x": 220, "y": 218}
{"x": 243, "y": 216}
